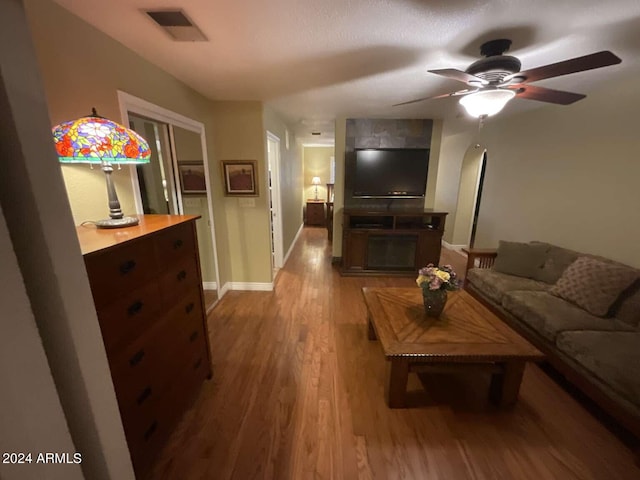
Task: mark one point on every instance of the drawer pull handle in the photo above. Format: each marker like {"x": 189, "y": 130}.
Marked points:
{"x": 146, "y": 393}
{"x": 150, "y": 431}
{"x": 177, "y": 244}
{"x": 182, "y": 274}
{"x": 193, "y": 336}
{"x": 137, "y": 358}
{"x": 135, "y": 308}
{"x": 127, "y": 266}
{"x": 189, "y": 308}
{"x": 197, "y": 364}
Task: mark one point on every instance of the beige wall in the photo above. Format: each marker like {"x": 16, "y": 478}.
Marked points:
{"x": 290, "y": 178}
{"x": 434, "y": 162}
{"x": 238, "y": 134}
{"x": 338, "y": 201}
{"x": 456, "y": 138}
{"x": 567, "y": 175}
{"x": 317, "y": 163}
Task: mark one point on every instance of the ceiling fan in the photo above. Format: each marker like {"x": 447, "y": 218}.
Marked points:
{"x": 494, "y": 80}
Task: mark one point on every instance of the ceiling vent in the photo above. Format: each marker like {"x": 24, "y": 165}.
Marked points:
{"x": 316, "y": 133}
{"x": 177, "y": 25}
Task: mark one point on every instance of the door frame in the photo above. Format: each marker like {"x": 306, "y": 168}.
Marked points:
{"x": 278, "y": 242}
{"x": 131, "y": 104}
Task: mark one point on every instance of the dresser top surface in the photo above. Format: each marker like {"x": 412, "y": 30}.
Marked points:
{"x": 94, "y": 239}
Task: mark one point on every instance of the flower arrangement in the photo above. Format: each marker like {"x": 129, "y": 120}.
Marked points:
{"x": 437, "y": 278}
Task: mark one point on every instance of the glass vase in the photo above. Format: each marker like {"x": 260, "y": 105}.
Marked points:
{"x": 434, "y": 301}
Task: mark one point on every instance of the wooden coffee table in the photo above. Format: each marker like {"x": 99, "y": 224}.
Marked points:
{"x": 466, "y": 337}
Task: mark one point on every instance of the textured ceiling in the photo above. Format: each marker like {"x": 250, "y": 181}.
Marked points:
{"x": 313, "y": 61}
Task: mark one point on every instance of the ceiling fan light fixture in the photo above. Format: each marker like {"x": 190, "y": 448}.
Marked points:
{"x": 486, "y": 102}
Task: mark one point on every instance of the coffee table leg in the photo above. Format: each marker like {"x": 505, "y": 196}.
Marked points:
{"x": 396, "y": 387}
{"x": 506, "y": 385}
{"x": 371, "y": 334}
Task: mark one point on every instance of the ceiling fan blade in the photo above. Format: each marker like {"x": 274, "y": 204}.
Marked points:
{"x": 444, "y": 95}
{"x": 574, "y": 65}
{"x": 460, "y": 76}
{"x": 548, "y": 95}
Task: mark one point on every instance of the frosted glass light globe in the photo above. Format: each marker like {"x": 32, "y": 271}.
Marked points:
{"x": 486, "y": 102}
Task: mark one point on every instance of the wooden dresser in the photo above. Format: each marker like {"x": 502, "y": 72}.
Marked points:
{"x": 147, "y": 289}
{"x": 315, "y": 213}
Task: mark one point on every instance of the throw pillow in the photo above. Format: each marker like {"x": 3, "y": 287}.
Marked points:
{"x": 519, "y": 259}
{"x": 556, "y": 262}
{"x": 593, "y": 285}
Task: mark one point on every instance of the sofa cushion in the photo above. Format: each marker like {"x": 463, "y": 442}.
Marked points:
{"x": 550, "y": 315}
{"x": 594, "y": 285}
{"x": 556, "y": 262}
{"x": 520, "y": 259}
{"x": 611, "y": 356}
{"x": 627, "y": 307}
{"x": 495, "y": 284}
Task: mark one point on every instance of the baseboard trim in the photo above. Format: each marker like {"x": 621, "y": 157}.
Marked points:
{"x": 225, "y": 288}
{"x": 251, "y": 286}
{"x": 453, "y": 247}
{"x": 293, "y": 244}
{"x": 209, "y": 285}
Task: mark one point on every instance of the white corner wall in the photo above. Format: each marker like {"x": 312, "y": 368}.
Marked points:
{"x": 40, "y": 224}
{"x": 31, "y": 417}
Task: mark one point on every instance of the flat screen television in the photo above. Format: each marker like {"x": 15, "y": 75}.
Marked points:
{"x": 391, "y": 172}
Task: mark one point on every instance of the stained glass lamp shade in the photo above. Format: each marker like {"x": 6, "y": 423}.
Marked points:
{"x": 95, "y": 139}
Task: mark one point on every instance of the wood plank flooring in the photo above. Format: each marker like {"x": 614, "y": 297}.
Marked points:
{"x": 297, "y": 393}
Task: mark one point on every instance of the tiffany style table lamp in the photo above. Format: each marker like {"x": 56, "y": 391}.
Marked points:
{"x": 97, "y": 140}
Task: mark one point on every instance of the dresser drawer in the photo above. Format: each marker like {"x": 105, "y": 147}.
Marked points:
{"x": 151, "y": 360}
{"x": 129, "y": 316}
{"x": 149, "y": 429}
{"x": 179, "y": 278}
{"x": 154, "y": 395}
{"x": 315, "y": 213}
{"x": 120, "y": 270}
{"x": 174, "y": 243}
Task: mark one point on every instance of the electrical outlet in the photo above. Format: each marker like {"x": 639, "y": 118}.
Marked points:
{"x": 191, "y": 202}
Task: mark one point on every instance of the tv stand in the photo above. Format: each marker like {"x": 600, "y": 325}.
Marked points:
{"x": 383, "y": 242}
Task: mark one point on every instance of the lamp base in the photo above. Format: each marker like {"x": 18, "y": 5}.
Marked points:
{"x": 117, "y": 222}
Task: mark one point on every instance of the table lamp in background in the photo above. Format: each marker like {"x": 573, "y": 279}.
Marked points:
{"x": 316, "y": 181}
{"x": 97, "y": 140}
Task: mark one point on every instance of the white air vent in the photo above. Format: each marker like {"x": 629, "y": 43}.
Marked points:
{"x": 177, "y": 25}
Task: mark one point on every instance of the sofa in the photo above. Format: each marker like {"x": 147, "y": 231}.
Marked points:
{"x": 581, "y": 310}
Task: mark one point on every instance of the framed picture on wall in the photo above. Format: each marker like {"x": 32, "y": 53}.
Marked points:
{"x": 192, "y": 178}
{"x": 240, "y": 178}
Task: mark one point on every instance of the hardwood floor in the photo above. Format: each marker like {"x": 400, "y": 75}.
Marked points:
{"x": 297, "y": 393}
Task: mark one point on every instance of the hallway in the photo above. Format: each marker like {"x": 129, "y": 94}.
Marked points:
{"x": 297, "y": 393}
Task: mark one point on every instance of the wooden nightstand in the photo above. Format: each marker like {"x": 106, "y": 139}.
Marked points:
{"x": 315, "y": 213}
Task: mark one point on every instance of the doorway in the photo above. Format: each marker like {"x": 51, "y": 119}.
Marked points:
{"x": 469, "y": 192}
{"x": 179, "y": 153}
{"x": 273, "y": 175}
